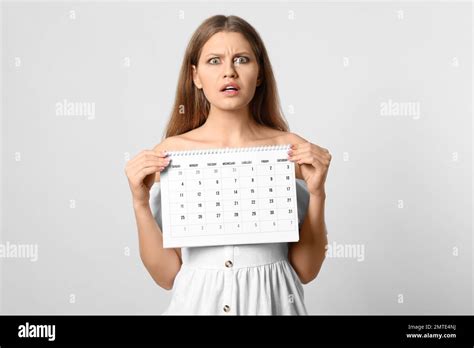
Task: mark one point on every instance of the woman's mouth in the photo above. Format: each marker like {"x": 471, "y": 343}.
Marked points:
{"x": 230, "y": 91}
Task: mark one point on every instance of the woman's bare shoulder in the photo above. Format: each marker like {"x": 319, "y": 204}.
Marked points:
{"x": 166, "y": 144}
{"x": 282, "y": 137}
{"x": 178, "y": 142}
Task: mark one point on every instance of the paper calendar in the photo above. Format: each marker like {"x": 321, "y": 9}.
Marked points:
{"x": 226, "y": 196}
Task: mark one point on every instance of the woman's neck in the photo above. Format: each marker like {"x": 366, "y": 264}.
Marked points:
{"x": 230, "y": 128}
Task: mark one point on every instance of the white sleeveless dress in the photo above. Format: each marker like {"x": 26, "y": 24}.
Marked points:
{"x": 245, "y": 279}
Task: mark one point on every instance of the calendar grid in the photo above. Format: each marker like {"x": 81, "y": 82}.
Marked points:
{"x": 229, "y": 196}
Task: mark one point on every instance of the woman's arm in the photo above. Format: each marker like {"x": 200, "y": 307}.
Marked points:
{"x": 162, "y": 264}
{"x": 307, "y": 255}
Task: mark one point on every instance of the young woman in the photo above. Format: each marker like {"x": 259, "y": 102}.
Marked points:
{"x": 226, "y": 52}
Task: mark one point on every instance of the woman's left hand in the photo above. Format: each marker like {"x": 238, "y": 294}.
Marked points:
{"x": 314, "y": 164}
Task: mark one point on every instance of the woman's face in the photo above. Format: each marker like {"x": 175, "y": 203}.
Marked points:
{"x": 227, "y": 57}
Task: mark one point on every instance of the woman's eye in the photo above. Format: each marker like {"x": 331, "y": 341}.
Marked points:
{"x": 245, "y": 59}
{"x": 238, "y": 60}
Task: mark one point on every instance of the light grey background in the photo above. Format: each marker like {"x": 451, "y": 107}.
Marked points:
{"x": 398, "y": 185}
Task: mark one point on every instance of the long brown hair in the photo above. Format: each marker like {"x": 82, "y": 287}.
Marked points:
{"x": 191, "y": 107}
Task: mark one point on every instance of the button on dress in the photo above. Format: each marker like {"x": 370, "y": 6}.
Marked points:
{"x": 244, "y": 279}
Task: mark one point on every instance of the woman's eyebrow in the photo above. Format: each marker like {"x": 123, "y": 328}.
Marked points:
{"x": 219, "y": 55}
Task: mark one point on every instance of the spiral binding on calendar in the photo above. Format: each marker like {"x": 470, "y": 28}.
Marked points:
{"x": 217, "y": 151}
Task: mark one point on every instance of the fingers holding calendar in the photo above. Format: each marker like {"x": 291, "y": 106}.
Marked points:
{"x": 141, "y": 171}
{"x": 314, "y": 163}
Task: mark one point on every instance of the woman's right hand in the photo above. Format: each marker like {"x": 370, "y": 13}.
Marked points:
{"x": 140, "y": 172}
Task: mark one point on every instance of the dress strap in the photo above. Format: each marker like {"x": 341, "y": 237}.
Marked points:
{"x": 302, "y": 198}
{"x": 155, "y": 203}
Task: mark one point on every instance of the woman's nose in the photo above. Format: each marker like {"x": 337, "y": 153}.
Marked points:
{"x": 230, "y": 70}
